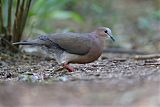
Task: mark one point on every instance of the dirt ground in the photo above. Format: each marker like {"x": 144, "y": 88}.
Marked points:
{"x": 115, "y": 80}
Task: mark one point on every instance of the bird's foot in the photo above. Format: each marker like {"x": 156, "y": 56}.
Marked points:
{"x": 69, "y": 68}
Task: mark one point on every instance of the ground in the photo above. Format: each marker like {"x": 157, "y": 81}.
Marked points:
{"x": 113, "y": 80}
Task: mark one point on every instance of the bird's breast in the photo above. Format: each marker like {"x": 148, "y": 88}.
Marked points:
{"x": 93, "y": 54}
{"x": 96, "y": 50}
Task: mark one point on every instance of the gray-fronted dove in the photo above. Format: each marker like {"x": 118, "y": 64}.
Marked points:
{"x": 70, "y": 47}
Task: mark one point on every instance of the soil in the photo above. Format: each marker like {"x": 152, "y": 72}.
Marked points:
{"x": 113, "y": 80}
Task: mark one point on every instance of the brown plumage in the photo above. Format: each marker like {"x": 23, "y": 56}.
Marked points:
{"x": 73, "y": 47}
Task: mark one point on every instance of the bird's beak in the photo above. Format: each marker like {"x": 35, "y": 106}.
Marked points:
{"x": 111, "y": 36}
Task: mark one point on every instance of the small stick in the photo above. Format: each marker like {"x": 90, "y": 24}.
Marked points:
{"x": 144, "y": 57}
{"x": 156, "y": 63}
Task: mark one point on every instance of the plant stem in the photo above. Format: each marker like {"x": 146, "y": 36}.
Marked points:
{"x": 1, "y": 18}
{"x": 9, "y": 16}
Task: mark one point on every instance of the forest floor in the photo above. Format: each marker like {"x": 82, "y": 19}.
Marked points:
{"x": 115, "y": 80}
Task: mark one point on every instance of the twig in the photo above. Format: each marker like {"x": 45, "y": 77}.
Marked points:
{"x": 144, "y": 57}
{"x": 152, "y": 63}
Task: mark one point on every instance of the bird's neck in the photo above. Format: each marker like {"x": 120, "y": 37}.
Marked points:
{"x": 99, "y": 40}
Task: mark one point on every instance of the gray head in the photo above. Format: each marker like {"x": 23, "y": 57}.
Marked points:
{"x": 104, "y": 31}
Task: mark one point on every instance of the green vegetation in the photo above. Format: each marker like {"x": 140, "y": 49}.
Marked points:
{"x": 12, "y": 21}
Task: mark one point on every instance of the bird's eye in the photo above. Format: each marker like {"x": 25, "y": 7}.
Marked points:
{"x": 106, "y": 31}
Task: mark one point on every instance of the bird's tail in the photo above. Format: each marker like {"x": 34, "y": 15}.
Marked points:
{"x": 27, "y": 43}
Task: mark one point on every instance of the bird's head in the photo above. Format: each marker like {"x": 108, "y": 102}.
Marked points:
{"x": 104, "y": 31}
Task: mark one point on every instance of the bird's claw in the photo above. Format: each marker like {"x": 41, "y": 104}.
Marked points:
{"x": 69, "y": 68}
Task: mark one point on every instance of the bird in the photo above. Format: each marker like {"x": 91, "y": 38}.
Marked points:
{"x": 70, "y": 47}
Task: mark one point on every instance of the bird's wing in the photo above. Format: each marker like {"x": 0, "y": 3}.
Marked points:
{"x": 75, "y": 43}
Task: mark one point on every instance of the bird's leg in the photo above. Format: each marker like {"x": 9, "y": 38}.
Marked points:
{"x": 69, "y": 68}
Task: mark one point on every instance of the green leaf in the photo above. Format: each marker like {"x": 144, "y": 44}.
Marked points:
{"x": 64, "y": 15}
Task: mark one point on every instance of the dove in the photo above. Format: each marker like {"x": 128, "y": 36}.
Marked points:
{"x": 69, "y": 47}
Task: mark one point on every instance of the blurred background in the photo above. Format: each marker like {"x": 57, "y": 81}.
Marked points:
{"x": 134, "y": 23}
{"x": 116, "y": 79}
